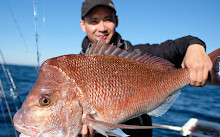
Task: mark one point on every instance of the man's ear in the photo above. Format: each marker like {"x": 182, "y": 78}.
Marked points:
{"x": 82, "y": 24}
{"x": 116, "y": 21}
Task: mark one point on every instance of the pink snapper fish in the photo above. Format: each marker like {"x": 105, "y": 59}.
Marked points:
{"x": 101, "y": 89}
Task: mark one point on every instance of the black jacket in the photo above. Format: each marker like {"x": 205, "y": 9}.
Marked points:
{"x": 171, "y": 50}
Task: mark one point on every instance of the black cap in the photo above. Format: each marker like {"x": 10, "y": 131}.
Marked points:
{"x": 88, "y": 5}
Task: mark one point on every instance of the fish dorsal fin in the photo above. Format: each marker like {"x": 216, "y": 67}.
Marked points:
{"x": 102, "y": 48}
{"x": 165, "y": 106}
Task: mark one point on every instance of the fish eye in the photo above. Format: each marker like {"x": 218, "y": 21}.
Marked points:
{"x": 44, "y": 100}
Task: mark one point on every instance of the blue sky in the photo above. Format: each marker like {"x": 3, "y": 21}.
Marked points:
{"x": 140, "y": 21}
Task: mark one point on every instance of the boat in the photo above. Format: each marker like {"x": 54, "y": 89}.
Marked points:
{"x": 196, "y": 128}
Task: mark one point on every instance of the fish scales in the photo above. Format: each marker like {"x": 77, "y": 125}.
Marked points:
{"x": 105, "y": 87}
{"x": 125, "y": 86}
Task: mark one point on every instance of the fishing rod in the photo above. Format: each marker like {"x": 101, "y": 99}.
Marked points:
{"x": 15, "y": 94}
{"x": 8, "y": 108}
{"x": 20, "y": 33}
{"x": 13, "y": 89}
{"x": 36, "y": 35}
{"x": 3, "y": 112}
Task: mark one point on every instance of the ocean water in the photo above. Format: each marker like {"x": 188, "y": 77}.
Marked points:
{"x": 202, "y": 103}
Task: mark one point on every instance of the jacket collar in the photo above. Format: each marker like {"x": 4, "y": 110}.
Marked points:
{"x": 116, "y": 40}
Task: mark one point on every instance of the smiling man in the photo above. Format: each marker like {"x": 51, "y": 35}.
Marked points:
{"x": 100, "y": 22}
{"x": 99, "y": 19}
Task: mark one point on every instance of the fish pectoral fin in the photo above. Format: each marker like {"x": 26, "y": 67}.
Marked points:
{"x": 118, "y": 132}
{"x": 165, "y": 106}
{"x": 110, "y": 132}
{"x": 110, "y": 129}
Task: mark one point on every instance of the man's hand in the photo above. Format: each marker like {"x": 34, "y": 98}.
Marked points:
{"x": 87, "y": 131}
{"x": 198, "y": 63}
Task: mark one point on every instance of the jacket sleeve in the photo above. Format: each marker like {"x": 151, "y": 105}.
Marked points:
{"x": 171, "y": 50}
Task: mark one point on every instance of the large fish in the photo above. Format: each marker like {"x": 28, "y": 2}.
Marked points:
{"x": 101, "y": 89}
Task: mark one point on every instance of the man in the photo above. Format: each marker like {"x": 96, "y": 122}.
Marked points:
{"x": 99, "y": 20}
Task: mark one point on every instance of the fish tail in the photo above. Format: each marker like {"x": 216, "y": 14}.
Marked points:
{"x": 214, "y": 77}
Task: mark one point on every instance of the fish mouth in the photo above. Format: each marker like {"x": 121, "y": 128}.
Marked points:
{"x": 27, "y": 131}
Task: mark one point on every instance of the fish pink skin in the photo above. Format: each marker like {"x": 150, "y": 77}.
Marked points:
{"x": 33, "y": 119}
{"x": 108, "y": 84}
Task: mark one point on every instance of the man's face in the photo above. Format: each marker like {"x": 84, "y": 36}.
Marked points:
{"x": 100, "y": 22}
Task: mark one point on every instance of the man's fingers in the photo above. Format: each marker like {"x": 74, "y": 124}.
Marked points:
{"x": 199, "y": 77}
{"x": 205, "y": 76}
{"x": 84, "y": 131}
{"x": 198, "y": 63}
{"x": 87, "y": 131}
{"x": 91, "y": 132}
{"x": 193, "y": 77}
